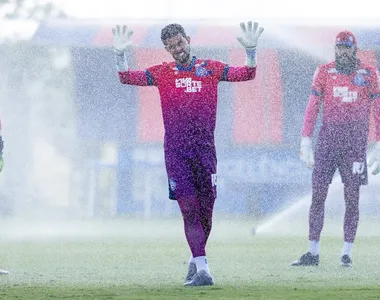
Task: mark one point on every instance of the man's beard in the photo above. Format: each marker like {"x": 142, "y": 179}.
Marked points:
{"x": 346, "y": 65}
{"x": 184, "y": 58}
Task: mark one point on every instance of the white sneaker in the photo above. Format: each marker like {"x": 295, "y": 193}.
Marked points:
{"x": 200, "y": 279}
{"x": 191, "y": 272}
{"x": 346, "y": 261}
{"x": 3, "y": 272}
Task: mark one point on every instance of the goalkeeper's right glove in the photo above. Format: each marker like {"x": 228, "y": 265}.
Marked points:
{"x": 306, "y": 152}
{"x": 121, "y": 42}
{"x": 374, "y": 161}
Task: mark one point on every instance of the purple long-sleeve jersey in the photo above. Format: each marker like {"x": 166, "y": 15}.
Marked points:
{"x": 188, "y": 96}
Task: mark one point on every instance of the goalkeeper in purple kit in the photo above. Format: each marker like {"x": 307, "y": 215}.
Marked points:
{"x": 188, "y": 93}
{"x": 347, "y": 90}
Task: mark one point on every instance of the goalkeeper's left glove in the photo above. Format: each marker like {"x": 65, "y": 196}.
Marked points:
{"x": 306, "y": 152}
{"x": 249, "y": 40}
{"x": 374, "y": 161}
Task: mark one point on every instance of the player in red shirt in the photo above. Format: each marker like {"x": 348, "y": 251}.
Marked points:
{"x": 188, "y": 91}
{"x": 346, "y": 89}
{"x": 2, "y": 272}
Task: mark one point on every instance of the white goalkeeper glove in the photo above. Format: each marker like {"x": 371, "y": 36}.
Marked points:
{"x": 121, "y": 42}
{"x": 374, "y": 161}
{"x": 306, "y": 152}
{"x": 121, "y": 38}
{"x": 249, "y": 41}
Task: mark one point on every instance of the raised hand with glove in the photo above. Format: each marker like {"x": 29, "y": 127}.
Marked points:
{"x": 121, "y": 41}
{"x": 249, "y": 39}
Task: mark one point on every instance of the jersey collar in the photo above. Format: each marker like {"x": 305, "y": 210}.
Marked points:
{"x": 189, "y": 67}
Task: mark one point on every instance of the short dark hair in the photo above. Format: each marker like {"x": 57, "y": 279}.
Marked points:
{"x": 172, "y": 30}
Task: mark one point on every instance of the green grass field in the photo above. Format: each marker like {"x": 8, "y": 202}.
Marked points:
{"x": 147, "y": 260}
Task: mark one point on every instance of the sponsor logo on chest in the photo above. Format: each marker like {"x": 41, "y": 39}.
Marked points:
{"x": 345, "y": 95}
{"x": 188, "y": 85}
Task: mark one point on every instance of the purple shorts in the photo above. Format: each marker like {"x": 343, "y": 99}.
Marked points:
{"x": 348, "y": 157}
{"x": 191, "y": 173}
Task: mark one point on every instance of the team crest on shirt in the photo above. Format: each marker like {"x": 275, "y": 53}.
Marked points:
{"x": 172, "y": 185}
{"x": 359, "y": 80}
{"x": 201, "y": 71}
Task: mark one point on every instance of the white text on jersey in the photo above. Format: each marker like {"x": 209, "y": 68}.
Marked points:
{"x": 345, "y": 95}
{"x": 190, "y": 86}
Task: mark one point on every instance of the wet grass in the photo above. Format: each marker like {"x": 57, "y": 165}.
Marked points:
{"x": 153, "y": 267}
